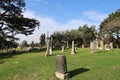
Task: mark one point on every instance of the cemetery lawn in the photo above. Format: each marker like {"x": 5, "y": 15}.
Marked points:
{"x": 105, "y": 65}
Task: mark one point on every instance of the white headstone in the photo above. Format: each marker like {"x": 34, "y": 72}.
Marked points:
{"x": 73, "y": 48}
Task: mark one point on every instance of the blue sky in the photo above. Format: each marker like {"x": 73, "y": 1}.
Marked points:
{"x": 60, "y": 15}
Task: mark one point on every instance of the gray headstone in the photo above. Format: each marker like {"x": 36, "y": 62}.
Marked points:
{"x": 51, "y": 46}
{"x": 93, "y": 47}
{"x": 61, "y": 68}
{"x": 67, "y": 44}
{"x": 63, "y": 49}
{"x": 48, "y": 48}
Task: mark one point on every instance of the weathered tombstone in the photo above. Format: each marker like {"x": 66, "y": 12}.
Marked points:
{"x": 90, "y": 45}
{"x": 93, "y": 47}
{"x": 111, "y": 44}
{"x": 107, "y": 47}
{"x": 48, "y": 48}
{"x": 63, "y": 49}
{"x": 83, "y": 46}
{"x": 61, "y": 68}
{"x": 101, "y": 45}
{"x": 73, "y": 48}
{"x": 67, "y": 44}
{"x": 51, "y": 46}
{"x": 97, "y": 44}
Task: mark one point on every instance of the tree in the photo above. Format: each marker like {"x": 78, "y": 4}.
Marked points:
{"x": 32, "y": 45}
{"x": 87, "y": 34}
{"x": 24, "y": 44}
{"x": 110, "y": 27}
{"x": 13, "y": 22}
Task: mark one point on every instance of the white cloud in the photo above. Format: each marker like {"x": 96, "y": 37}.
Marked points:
{"x": 95, "y": 15}
{"x": 49, "y": 24}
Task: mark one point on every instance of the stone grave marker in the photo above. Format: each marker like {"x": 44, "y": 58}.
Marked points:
{"x": 51, "y": 46}
{"x": 101, "y": 45}
{"x": 111, "y": 44}
{"x": 48, "y": 48}
{"x": 93, "y": 47}
{"x": 107, "y": 47}
{"x": 73, "y": 48}
{"x": 61, "y": 68}
{"x": 67, "y": 45}
{"x": 83, "y": 46}
{"x": 63, "y": 49}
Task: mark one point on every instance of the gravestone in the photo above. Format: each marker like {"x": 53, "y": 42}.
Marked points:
{"x": 97, "y": 44}
{"x": 111, "y": 44}
{"x": 83, "y": 46}
{"x": 48, "y": 48}
{"x": 63, "y": 49}
{"x": 93, "y": 47}
{"x": 101, "y": 45}
{"x": 73, "y": 48}
{"x": 67, "y": 44}
{"x": 51, "y": 46}
{"x": 61, "y": 68}
{"x": 107, "y": 47}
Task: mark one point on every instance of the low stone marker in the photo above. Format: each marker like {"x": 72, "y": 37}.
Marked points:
{"x": 107, "y": 47}
{"x": 83, "y": 46}
{"x": 61, "y": 68}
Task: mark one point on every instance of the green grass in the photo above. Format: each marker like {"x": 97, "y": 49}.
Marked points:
{"x": 105, "y": 65}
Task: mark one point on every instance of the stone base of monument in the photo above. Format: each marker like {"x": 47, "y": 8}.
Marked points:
{"x": 107, "y": 49}
{"x": 73, "y": 53}
{"x": 62, "y": 76}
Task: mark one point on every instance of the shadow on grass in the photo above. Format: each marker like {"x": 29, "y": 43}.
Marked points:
{"x": 77, "y": 71}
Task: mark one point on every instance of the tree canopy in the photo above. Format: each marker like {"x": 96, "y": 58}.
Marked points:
{"x": 110, "y": 28}
{"x": 13, "y": 22}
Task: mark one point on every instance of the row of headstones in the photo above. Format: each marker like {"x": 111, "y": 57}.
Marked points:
{"x": 94, "y": 46}
{"x": 61, "y": 65}
{"x": 49, "y": 47}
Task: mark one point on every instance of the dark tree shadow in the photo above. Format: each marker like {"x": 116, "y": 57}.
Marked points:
{"x": 77, "y": 71}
